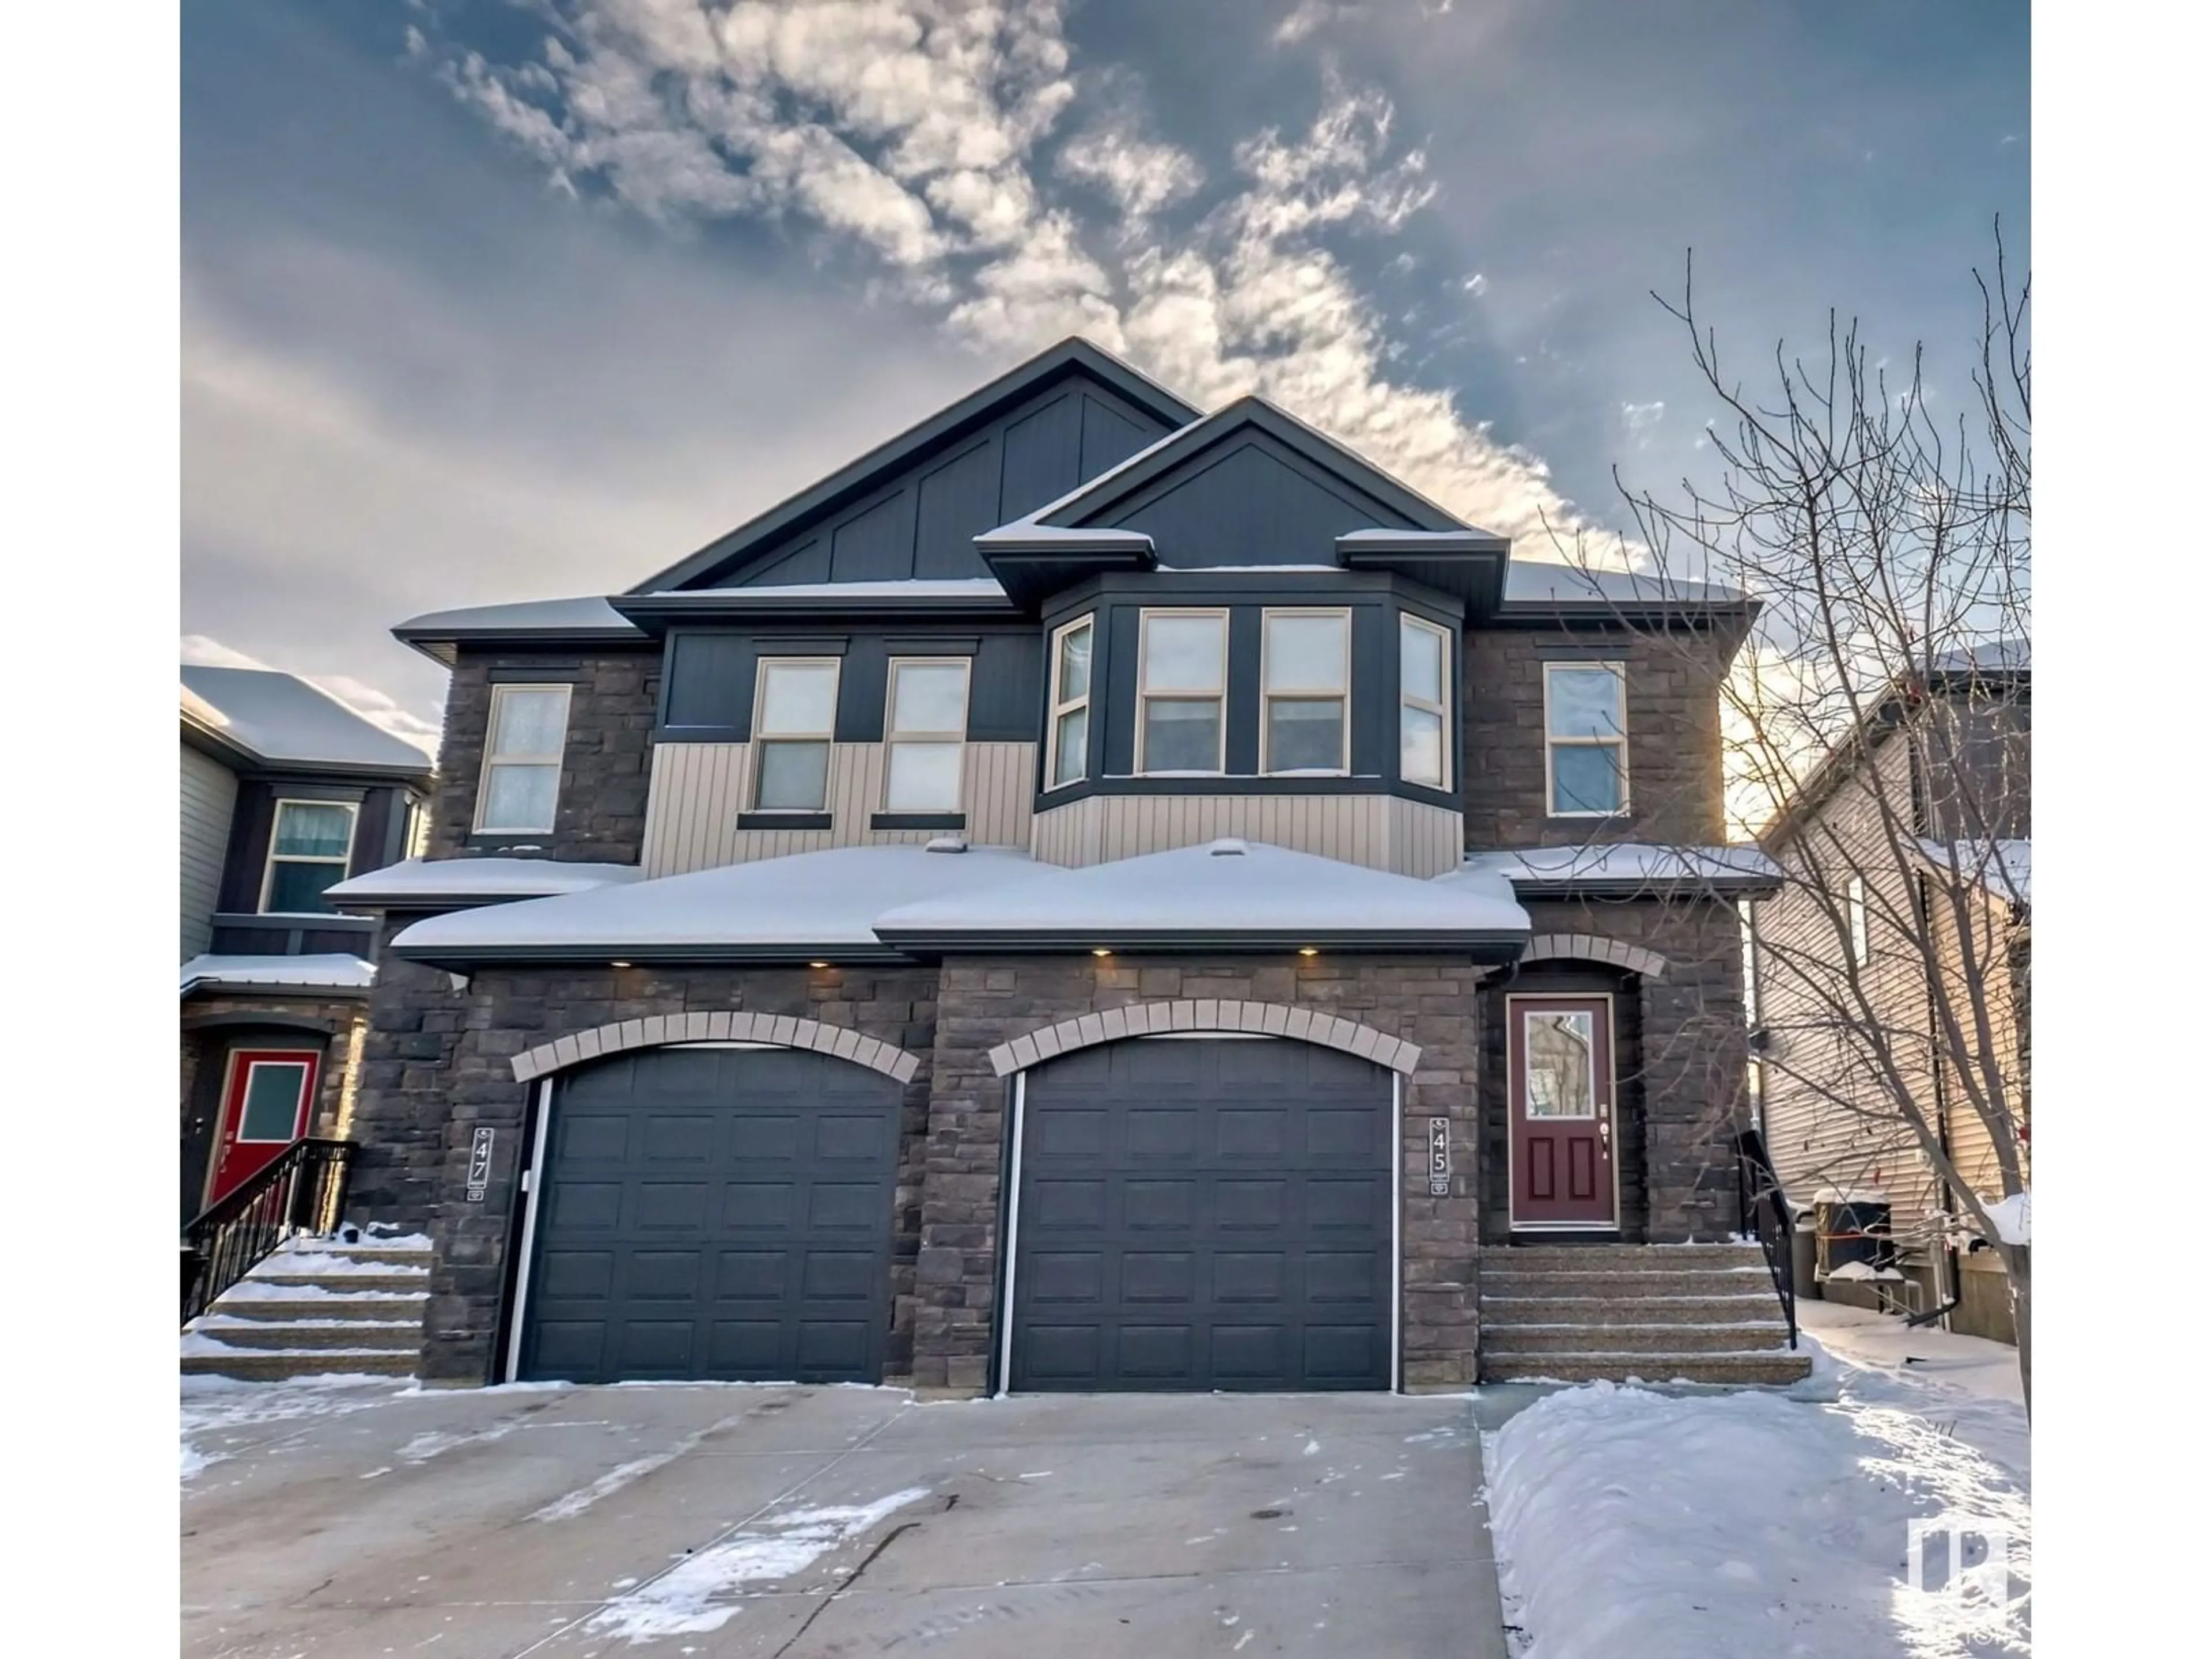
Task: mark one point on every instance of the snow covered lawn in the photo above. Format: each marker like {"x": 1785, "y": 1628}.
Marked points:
{"x": 1769, "y": 1523}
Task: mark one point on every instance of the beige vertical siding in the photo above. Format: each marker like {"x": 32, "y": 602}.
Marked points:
{"x": 210, "y": 790}
{"x": 1990, "y": 933}
{"x": 1379, "y": 831}
{"x": 699, "y": 788}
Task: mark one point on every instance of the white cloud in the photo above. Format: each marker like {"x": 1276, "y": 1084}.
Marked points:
{"x": 1637, "y": 417}
{"x": 916, "y": 130}
{"x": 1476, "y": 284}
{"x": 1307, "y": 17}
{"x": 200, "y": 651}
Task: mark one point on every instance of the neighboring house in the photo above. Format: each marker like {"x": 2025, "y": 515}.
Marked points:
{"x": 1916, "y": 829}
{"x": 286, "y": 790}
{"x": 1087, "y": 896}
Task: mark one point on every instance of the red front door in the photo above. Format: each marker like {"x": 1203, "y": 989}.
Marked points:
{"x": 1559, "y": 1071}
{"x": 265, "y": 1102}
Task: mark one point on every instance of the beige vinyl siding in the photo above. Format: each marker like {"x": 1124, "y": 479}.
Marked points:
{"x": 1842, "y": 1134}
{"x": 1992, "y": 937}
{"x": 699, "y": 789}
{"x": 1383, "y": 832}
{"x": 210, "y": 793}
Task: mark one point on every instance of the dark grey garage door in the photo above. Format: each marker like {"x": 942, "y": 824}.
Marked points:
{"x": 1201, "y": 1214}
{"x": 714, "y": 1212}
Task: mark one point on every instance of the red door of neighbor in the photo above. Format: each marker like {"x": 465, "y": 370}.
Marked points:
{"x": 265, "y": 1102}
{"x": 1559, "y": 1069}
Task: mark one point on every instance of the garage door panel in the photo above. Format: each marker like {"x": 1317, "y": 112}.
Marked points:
{"x": 1261, "y": 1262}
{"x": 1157, "y": 1204}
{"x": 658, "y": 1206}
{"x": 662, "y": 1275}
{"x": 715, "y": 1213}
{"x": 585, "y": 1206}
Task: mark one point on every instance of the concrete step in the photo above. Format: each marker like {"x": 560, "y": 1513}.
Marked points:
{"x": 1629, "y": 1309}
{"x": 1513, "y": 1280}
{"x": 403, "y": 1255}
{"x": 282, "y": 1309}
{"x": 338, "y": 1283}
{"x": 273, "y": 1365}
{"x": 1628, "y": 1258}
{"x": 402, "y": 1336}
{"x": 1628, "y": 1340}
{"x": 1780, "y": 1365}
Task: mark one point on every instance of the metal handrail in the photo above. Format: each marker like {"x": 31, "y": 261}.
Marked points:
{"x": 1763, "y": 1212}
{"x": 301, "y": 1190}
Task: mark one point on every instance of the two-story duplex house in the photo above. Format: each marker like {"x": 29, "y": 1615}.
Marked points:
{"x": 1906, "y": 855}
{"x": 285, "y": 792}
{"x": 1087, "y": 896}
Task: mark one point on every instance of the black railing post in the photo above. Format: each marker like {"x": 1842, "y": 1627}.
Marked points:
{"x": 301, "y": 1189}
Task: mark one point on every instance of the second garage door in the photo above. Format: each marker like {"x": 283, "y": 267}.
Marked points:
{"x": 1201, "y": 1214}
{"x": 715, "y": 1213}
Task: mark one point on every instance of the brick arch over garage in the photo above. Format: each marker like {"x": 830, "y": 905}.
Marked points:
{"x": 1204, "y": 1014}
{"x": 658, "y": 1031}
{"x": 1588, "y": 947}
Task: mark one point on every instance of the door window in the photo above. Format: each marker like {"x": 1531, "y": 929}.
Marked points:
{"x": 1561, "y": 1064}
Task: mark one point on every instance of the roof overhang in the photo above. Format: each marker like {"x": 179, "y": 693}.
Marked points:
{"x": 457, "y": 958}
{"x": 653, "y": 614}
{"x": 1483, "y": 945}
{"x": 1032, "y": 563}
{"x": 1469, "y": 565}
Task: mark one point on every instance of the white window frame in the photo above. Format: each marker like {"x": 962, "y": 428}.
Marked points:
{"x": 1618, "y": 742}
{"x": 827, "y": 738}
{"x": 1854, "y": 918}
{"x": 1442, "y": 709}
{"x": 1144, "y": 697}
{"x": 893, "y": 737}
{"x": 273, "y": 858}
{"x": 1057, "y": 707}
{"x": 557, "y": 760}
{"x": 1341, "y": 691}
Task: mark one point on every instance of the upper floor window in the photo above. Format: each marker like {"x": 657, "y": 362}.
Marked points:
{"x": 1586, "y": 739}
{"x": 795, "y": 721}
{"x": 521, "y": 781}
{"x": 1305, "y": 679}
{"x": 1067, "y": 731}
{"x": 925, "y": 731}
{"x": 1855, "y": 907}
{"x": 1182, "y": 659}
{"x": 1424, "y": 712}
{"x": 309, "y": 847}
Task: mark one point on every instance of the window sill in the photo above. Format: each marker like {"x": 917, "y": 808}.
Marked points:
{"x": 918, "y": 821}
{"x": 784, "y": 821}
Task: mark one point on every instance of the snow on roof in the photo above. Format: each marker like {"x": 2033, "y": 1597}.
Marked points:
{"x": 2008, "y": 655}
{"x": 1535, "y": 581}
{"x": 803, "y": 901}
{"x": 1616, "y": 863}
{"x": 951, "y": 588}
{"x": 586, "y": 614}
{"x": 283, "y": 719}
{"x": 340, "y": 970}
{"x": 477, "y": 878}
{"x": 2002, "y": 866}
{"x": 1224, "y": 887}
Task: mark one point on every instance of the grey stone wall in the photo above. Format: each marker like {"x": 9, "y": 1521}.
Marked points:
{"x": 1681, "y": 1055}
{"x": 1674, "y": 784}
{"x": 440, "y": 1067}
{"x": 607, "y": 767}
{"x": 204, "y": 1047}
{"x": 982, "y": 1003}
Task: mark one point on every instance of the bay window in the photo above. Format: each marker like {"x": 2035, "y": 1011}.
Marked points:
{"x": 1305, "y": 683}
{"x": 1424, "y": 702}
{"x": 1067, "y": 731}
{"x": 1182, "y": 678}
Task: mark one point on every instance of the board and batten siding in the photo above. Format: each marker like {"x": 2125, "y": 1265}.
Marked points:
{"x": 1834, "y": 1123}
{"x": 699, "y": 790}
{"x": 1382, "y": 832}
{"x": 210, "y": 795}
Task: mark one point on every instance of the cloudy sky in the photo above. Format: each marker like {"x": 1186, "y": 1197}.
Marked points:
{"x": 487, "y": 300}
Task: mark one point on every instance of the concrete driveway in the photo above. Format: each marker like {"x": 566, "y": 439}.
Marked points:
{"x": 802, "y": 1524}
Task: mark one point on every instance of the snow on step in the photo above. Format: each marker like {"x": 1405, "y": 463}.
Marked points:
{"x": 318, "y": 1306}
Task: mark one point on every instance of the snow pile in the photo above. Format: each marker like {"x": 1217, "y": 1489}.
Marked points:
{"x": 336, "y": 970}
{"x": 1225, "y": 886}
{"x": 700, "y": 1593}
{"x": 1627, "y": 1521}
{"x": 281, "y": 718}
{"x": 2012, "y": 1216}
{"x": 588, "y": 615}
{"x": 813, "y": 899}
{"x": 478, "y": 877}
{"x": 1863, "y": 1272}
